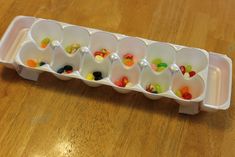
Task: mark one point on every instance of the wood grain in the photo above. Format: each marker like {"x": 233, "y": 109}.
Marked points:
{"x": 67, "y": 118}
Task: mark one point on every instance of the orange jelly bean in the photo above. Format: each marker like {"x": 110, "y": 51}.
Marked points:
{"x": 31, "y": 63}
{"x": 43, "y": 45}
{"x": 128, "y": 62}
{"x": 184, "y": 89}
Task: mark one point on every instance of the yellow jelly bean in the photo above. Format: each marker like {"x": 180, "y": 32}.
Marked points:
{"x": 90, "y": 76}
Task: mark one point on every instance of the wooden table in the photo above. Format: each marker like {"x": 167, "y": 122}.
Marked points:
{"x": 67, "y": 118}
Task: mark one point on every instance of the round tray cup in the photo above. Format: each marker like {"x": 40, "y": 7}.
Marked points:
{"x": 103, "y": 40}
{"x": 196, "y": 86}
{"x": 42, "y": 29}
{"x": 134, "y": 46}
{"x": 118, "y": 70}
{"x": 75, "y": 35}
{"x": 162, "y": 51}
{"x": 148, "y": 77}
{"x": 197, "y": 58}
{"x": 89, "y": 65}
{"x": 30, "y": 51}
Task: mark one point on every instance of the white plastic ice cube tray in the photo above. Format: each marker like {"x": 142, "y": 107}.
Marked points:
{"x": 210, "y": 87}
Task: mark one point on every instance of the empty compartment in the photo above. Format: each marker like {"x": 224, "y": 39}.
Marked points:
{"x": 75, "y": 37}
{"x": 160, "y": 56}
{"x": 193, "y": 60}
{"x": 195, "y": 87}
{"x": 219, "y": 83}
{"x": 43, "y": 32}
{"x": 131, "y": 50}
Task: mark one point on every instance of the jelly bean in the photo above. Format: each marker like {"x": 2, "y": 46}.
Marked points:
{"x": 154, "y": 67}
{"x": 184, "y": 89}
{"x": 150, "y": 88}
{"x": 98, "y": 78}
{"x": 104, "y": 51}
{"x": 162, "y": 65}
{"x": 128, "y": 62}
{"x": 154, "y": 88}
{"x": 157, "y": 61}
{"x": 72, "y": 48}
{"x": 159, "y": 69}
{"x": 178, "y": 93}
{"x": 106, "y": 54}
{"x": 99, "y": 58}
{"x": 128, "y": 56}
{"x": 45, "y": 42}
{"x": 182, "y": 69}
{"x": 43, "y": 45}
{"x": 61, "y": 70}
{"x": 99, "y": 53}
{"x": 75, "y": 46}
{"x": 68, "y": 67}
{"x": 188, "y": 68}
{"x": 90, "y": 76}
{"x": 158, "y": 88}
{"x": 97, "y": 74}
{"x": 41, "y": 63}
{"x": 192, "y": 73}
{"x": 31, "y": 63}
{"x": 68, "y": 49}
{"x": 119, "y": 83}
{"x": 69, "y": 71}
{"x": 124, "y": 80}
{"x": 187, "y": 95}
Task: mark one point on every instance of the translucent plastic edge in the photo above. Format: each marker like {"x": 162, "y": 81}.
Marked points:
{"x": 226, "y": 105}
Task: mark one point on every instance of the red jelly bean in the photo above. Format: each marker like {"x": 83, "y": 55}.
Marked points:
{"x": 184, "y": 89}
{"x": 124, "y": 80}
{"x": 187, "y": 95}
{"x": 119, "y": 83}
{"x": 99, "y": 53}
{"x": 182, "y": 69}
{"x": 69, "y": 71}
{"x": 192, "y": 73}
{"x": 128, "y": 56}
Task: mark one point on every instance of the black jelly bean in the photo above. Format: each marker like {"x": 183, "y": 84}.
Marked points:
{"x": 60, "y": 71}
{"x": 42, "y": 63}
{"x": 97, "y": 74}
{"x": 68, "y": 67}
{"x": 98, "y": 78}
{"x": 155, "y": 92}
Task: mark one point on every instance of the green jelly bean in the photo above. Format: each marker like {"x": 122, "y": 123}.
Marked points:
{"x": 46, "y": 41}
{"x": 162, "y": 65}
{"x": 159, "y": 69}
{"x": 178, "y": 93}
{"x": 157, "y": 61}
{"x": 158, "y": 88}
{"x": 188, "y": 68}
{"x": 68, "y": 49}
